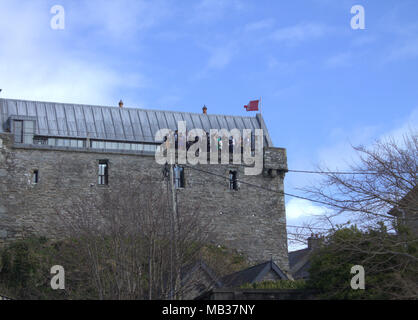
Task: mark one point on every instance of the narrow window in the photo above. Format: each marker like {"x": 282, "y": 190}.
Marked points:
{"x": 252, "y": 141}
{"x": 18, "y": 131}
{"x": 178, "y": 177}
{"x": 103, "y": 172}
{"x": 233, "y": 181}
{"x": 35, "y": 176}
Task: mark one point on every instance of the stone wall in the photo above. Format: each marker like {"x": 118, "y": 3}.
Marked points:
{"x": 251, "y": 220}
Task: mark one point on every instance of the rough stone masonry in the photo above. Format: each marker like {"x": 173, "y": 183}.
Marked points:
{"x": 250, "y": 220}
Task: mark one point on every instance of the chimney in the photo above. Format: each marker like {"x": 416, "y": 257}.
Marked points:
{"x": 121, "y": 104}
{"x": 204, "y": 109}
{"x": 314, "y": 241}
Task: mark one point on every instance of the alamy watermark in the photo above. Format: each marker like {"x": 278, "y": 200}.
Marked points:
{"x": 58, "y": 20}
{"x": 197, "y": 147}
{"x": 357, "y": 282}
{"x": 358, "y": 21}
{"x": 58, "y": 280}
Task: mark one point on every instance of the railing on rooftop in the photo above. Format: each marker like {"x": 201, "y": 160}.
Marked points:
{"x": 95, "y": 144}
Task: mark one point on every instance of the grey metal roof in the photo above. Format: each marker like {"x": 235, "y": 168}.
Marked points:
{"x": 114, "y": 123}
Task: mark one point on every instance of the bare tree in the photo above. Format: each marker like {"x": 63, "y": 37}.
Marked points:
{"x": 125, "y": 233}
{"x": 379, "y": 194}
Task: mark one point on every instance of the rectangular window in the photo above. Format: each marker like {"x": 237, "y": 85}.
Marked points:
{"x": 35, "y": 177}
{"x": 81, "y": 143}
{"x": 136, "y": 147}
{"x": 103, "y": 172}
{"x": 252, "y": 141}
{"x": 63, "y": 143}
{"x": 28, "y": 131}
{"x": 97, "y": 144}
{"x": 73, "y": 143}
{"x": 233, "y": 181}
{"x": 40, "y": 140}
{"x": 178, "y": 177}
{"x": 51, "y": 141}
{"x": 18, "y": 131}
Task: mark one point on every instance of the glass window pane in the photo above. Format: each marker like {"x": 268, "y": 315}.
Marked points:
{"x": 98, "y": 144}
{"x": 28, "y": 126}
{"x": 28, "y": 138}
{"x": 18, "y": 131}
{"x": 28, "y": 130}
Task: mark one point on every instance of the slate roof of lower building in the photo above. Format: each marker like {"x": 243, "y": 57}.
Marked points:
{"x": 299, "y": 263}
{"x": 252, "y": 275}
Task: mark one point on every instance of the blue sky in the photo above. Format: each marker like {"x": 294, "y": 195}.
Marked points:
{"x": 323, "y": 85}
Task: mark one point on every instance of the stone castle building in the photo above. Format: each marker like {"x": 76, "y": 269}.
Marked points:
{"x": 51, "y": 153}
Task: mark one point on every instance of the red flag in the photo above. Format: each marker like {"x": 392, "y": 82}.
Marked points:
{"x": 252, "y": 106}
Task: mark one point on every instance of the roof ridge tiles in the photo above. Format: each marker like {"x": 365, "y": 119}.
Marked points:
{"x": 131, "y": 108}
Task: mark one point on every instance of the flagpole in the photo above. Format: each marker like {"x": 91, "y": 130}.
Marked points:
{"x": 260, "y": 104}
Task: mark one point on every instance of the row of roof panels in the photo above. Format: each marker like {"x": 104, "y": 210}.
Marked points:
{"x": 114, "y": 123}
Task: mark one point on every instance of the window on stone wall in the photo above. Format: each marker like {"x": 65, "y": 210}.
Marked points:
{"x": 233, "y": 180}
{"x": 103, "y": 172}
{"x": 35, "y": 176}
{"x": 179, "y": 177}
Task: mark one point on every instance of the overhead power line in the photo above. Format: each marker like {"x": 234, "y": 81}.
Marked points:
{"x": 260, "y": 187}
{"x": 333, "y": 172}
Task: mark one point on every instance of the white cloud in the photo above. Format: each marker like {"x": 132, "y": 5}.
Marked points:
{"x": 363, "y": 40}
{"x": 117, "y": 20}
{"x": 296, "y": 208}
{"x": 38, "y": 63}
{"x": 221, "y": 57}
{"x": 339, "y": 60}
{"x": 411, "y": 124}
{"x": 65, "y": 81}
{"x": 340, "y": 154}
{"x": 298, "y": 33}
{"x": 259, "y": 25}
{"x": 408, "y": 50}
{"x": 210, "y": 10}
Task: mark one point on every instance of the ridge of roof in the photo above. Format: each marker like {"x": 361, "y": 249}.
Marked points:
{"x": 124, "y": 108}
{"x": 297, "y": 251}
{"x": 252, "y": 274}
{"x": 248, "y": 269}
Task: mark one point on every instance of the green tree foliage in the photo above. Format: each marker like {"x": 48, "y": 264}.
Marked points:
{"x": 390, "y": 265}
{"x": 25, "y": 268}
